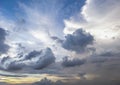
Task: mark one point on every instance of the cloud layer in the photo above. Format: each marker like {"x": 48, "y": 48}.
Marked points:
{"x": 49, "y": 30}
{"x": 39, "y": 60}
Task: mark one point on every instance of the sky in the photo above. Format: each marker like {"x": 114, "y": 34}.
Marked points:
{"x": 59, "y": 42}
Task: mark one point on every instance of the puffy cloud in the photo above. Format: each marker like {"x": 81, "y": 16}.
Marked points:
{"x": 45, "y": 59}
{"x": 10, "y": 64}
{"x": 34, "y": 60}
{"x": 3, "y": 47}
{"x": 46, "y": 81}
{"x": 73, "y": 62}
{"x": 77, "y": 41}
{"x": 97, "y": 18}
{"x": 14, "y": 65}
{"x": 32, "y": 54}
{"x": 94, "y": 7}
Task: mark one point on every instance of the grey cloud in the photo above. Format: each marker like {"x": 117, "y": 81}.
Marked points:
{"x": 34, "y": 60}
{"x": 4, "y": 59}
{"x": 10, "y": 64}
{"x": 33, "y": 54}
{"x": 82, "y": 75}
{"x": 70, "y": 63}
{"x": 3, "y": 47}
{"x": 110, "y": 54}
{"x": 46, "y": 58}
{"x": 56, "y": 39}
{"x": 78, "y": 41}
{"x": 46, "y": 81}
{"x": 15, "y": 65}
{"x": 98, "y": 61}
{"x": 3, "y": 83}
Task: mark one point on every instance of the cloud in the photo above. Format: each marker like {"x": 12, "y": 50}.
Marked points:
{"x": 72, "y": 62}
{"x": 77, "y": 41}
{"x": 34, "y": 28}
{"x": 110, "y": 54}
{"x": 2, "y": 83}
{"x": 39, "y": 60}
{"x": 10, "y": 64}
{"x": 45, "y": 59}
{"x": 94, "y": 7}
{"x": 46, "y": 81}
{"x": 56, "y": 39}
{"x": 3, "y": 46}
{"x": 33, "y": 54}
{"x": 97, "y": 18}
{"x": 15, "y": 65}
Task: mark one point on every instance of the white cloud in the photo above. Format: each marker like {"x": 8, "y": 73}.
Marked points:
{"x": 32, "y": 30}
{"x": 100, "y": 18}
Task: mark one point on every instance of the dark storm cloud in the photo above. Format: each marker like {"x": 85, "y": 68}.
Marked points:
{"x": 10, "y": 64}
{"x": 32, "y": 54}
{"x": 78, "y": 41}
{"x": 15, "y": 65}
{"x": 3, "y": 47}
{"x": 34, "y": 60}
{"x": 70, "y": 63}
{"x": 46, "y": 58}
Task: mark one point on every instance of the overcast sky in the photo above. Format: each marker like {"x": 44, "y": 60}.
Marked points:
{"x": 60, "y": 42}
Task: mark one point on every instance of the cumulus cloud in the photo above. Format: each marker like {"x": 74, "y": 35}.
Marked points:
{"x": 39, "y": 60}
{"x": 95, "y": 21}
{"x": 100, "y": 21}
{"x": 72, "y": 62}
{"x": 14, "y": 65}
{"x": 77, "y": 41}
{"x": 3, "y": 46}
{"x": 45, "y": 59}
{"x": 33, "y": 54}
{"x": 100, "y": 24}
{"x": 10, "y": 64}
{"x": 46, "y": 81}
{"x": 35, "y": 30}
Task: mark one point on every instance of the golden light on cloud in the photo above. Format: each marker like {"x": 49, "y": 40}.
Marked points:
{"x": 91, "y": 76}
{"x": 32, "y": 78}
{"x": 29, "y": 79}
{"x": 19, "y": 80}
